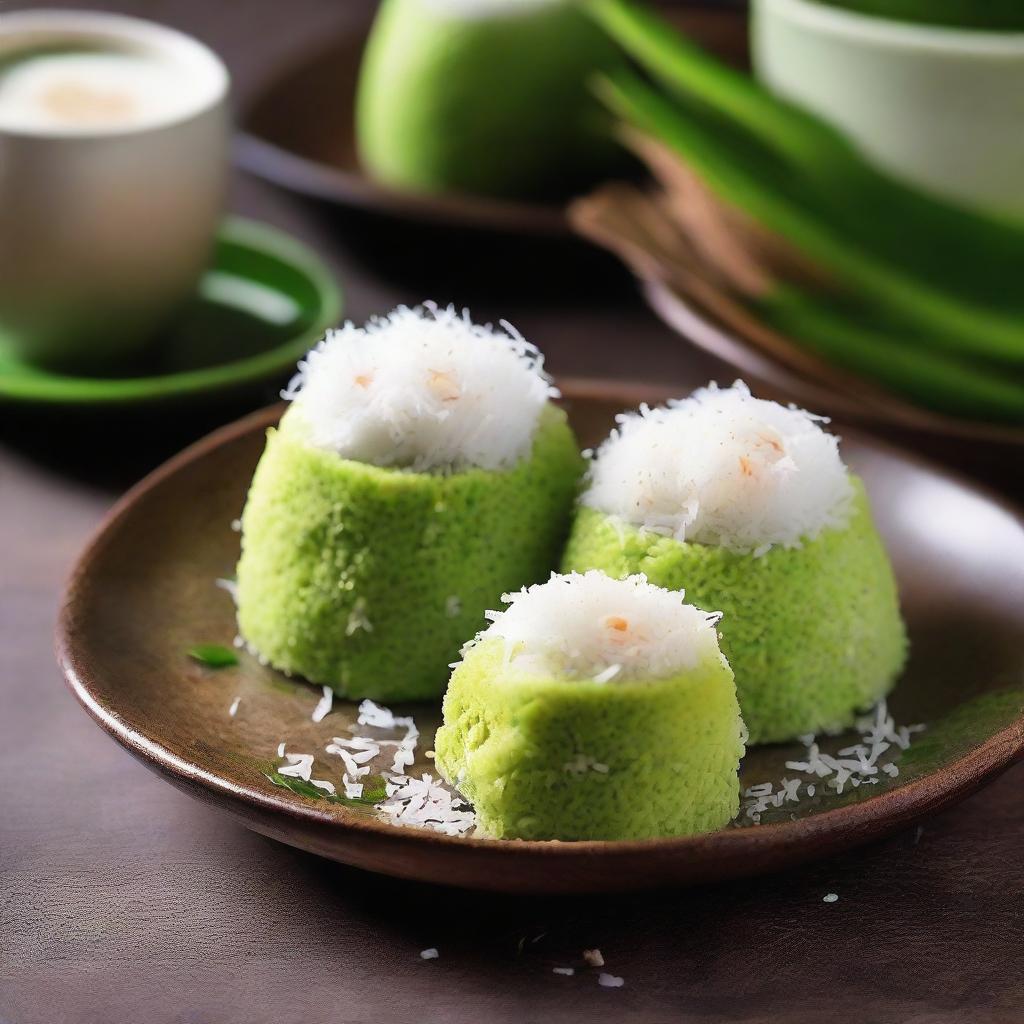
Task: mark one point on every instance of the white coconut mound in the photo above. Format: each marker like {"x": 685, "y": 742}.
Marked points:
{"x": 723, "y": 468}
{"x": 590, "y": 626}
{"x": 424, "y": 389}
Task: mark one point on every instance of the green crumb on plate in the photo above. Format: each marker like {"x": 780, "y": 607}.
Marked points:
{"x": 213, "y": 655}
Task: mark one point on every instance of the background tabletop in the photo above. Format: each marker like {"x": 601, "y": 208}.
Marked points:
{"x": 123, "y": 900}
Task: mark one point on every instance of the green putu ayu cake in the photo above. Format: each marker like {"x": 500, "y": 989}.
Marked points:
{"x": 420, "y": 472}
{"x": 747, "y": 506}
{"x": 484, "y": 96}
{"x": 594, "y": 708}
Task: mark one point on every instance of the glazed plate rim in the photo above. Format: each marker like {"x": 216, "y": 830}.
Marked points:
{"x": 873, "y": 816}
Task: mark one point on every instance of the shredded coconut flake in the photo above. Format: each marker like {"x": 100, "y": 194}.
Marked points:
{"x": 429, "y": 954}
{"x": 424, "y": 389}
{"x": 299, "y": 766}
{"x": 324, "y": 705}
{"x": 609, "y": 980}
{"x": 581, "y": 764}
{"x": 357, "y": 620}
{"x": 567, "y": 971}
{"x": 424, "y": 803}
{"x": 856, "y": 765}
{"x": 417, "y": 802}
{"x": 722, "y": 468}
{"x": 374, "y": 714}
{"x": 590, "y": 626}
{"x": 233, "y": 710}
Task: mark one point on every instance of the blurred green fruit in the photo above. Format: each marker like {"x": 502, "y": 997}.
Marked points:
{"x": 484, "y": 96}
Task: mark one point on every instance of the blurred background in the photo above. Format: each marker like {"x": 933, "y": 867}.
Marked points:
{"x": 679, "y": 216}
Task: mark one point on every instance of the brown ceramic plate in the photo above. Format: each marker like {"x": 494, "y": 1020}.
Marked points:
{"x": 143, "y": 593}
{"x": 299, "y": 132}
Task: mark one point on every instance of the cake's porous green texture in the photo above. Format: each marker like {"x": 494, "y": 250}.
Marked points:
{"x": 813, "y": 634}
{"x": 369, "y": 580}
{"x": 494, "y": 103}
{"x": 522, "y": 749}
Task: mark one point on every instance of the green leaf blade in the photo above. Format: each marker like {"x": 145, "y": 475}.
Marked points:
{"x": 214, "y": 656}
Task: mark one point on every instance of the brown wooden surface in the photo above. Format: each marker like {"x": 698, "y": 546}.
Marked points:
{"x": 123, "y": 900}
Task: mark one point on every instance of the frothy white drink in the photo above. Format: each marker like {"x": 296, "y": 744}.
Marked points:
{"x": 93, "y": 92}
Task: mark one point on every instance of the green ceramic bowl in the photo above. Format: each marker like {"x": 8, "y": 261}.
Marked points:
{"x": 264, "y": 302}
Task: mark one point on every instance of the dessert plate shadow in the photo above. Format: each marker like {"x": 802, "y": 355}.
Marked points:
{"x": 144, "y": 593}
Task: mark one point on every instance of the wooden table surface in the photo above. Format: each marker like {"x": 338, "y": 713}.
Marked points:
{"x": 123, "y": 900}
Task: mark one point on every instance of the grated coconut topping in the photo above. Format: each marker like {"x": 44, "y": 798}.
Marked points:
{"x": 424, "y": 389}
{"x": 722, "y": 468}
{"x": 590, "y": 626}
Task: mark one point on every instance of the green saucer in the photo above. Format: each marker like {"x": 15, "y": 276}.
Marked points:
{"x": 264, "y": 302}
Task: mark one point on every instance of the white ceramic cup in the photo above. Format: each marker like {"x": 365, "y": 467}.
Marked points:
{"x": 104, "y": 233}
{"x": 940, "y": 107}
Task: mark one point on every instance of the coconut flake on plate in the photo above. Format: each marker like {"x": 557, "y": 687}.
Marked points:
{"x": 324, "y": 705}
{"x": 425, "y": 803}
{"x": 299, "y": 766}
{"x": 853, "y": 766}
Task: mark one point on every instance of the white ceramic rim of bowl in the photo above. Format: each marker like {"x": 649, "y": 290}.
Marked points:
{"x": 57, "y": 25}
{"x": 823, "y": 17}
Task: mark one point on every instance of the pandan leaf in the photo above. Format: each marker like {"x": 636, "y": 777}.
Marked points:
{"x": 934, "y": 381}
{"x": 944, "y": 323}
{"x": 970, "y": 253}
{"x": 300, "y": 787}
{"x": 213, "y": 655}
